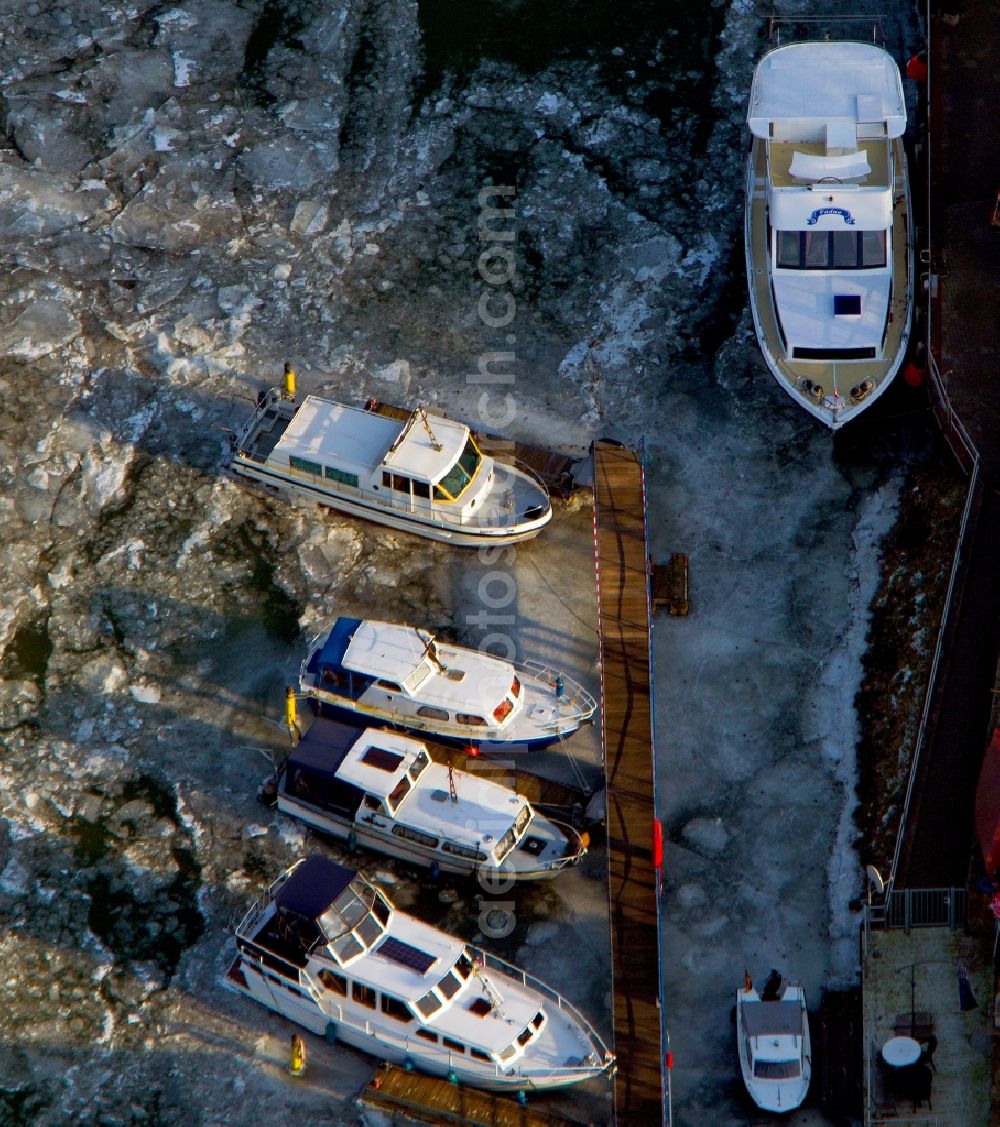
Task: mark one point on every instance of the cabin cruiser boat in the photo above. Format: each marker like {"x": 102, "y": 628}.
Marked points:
{"x": 381, "y": 673}
{"x": 828, "y": 225}
{"x": 383, "y": 791}
{"x": 326, "y": 948}
{"x": 772, "y": 1039}
{"x": 408, "y": 470}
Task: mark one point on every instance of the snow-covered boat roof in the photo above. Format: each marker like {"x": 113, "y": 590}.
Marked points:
{"x": 798, "y": 89}
{"x": 350, "y": 438}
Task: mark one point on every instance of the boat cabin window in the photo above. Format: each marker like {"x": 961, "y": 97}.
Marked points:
{"x": 506, "y": 1054}
{"x": 336, "y": 983}
{"x": 399, "y": 792}
{"x": 305, "y": 785}
{"x": 455, "y": 1046}
{"x": 363, "y": 995}
{"x": 503, "y": 710}
{"x": 823, "y": 250}
{"x": 373, "y": 803}
{"x": 427, "y": 1035}
{"x": 415, "y": 835}
{"x": 457, "y": 479}
{"x": 776, "y": 1069}
{"x": 396, "y": 481}
{"x": 429, "y": 1004}
{"x": 422, "y": 489}
{"x": 419, "y": 765}
{"x": 480, "y": 1055}
{"x": 463, "y": 851}
{"x": 463, "y": 967}
{"x": 305, "y": 465}
{"x": 469, "y": 719}
{"x": 369, "y": 930}
{"x": 449, "y": 985}
{"x": 395, "y": 1008}
{"x": 515, "y": 833}
{"x": 334, "y": 679}
{"x": 525, "y": 1035}
{"x": 341, "y": 476}
{"x": 389, "y": 686}
{"x": 431, "y": 713}
{"x": 347, "y": 947}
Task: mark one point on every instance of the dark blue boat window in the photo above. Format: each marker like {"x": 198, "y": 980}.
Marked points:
{"x": 382, "y": 759}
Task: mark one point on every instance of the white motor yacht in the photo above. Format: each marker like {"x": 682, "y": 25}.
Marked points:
{"x": 383, "y": 791}
{"x": 772, "y": 1039}
{"x": 412, "y": 471}
{"x": 829, "y": 234}
{"x": 326, "y": 949}
{"x": 373, "y": 672}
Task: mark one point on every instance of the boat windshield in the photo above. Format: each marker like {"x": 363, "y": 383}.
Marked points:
{"x": 418, "y": 766}
{"x": 399, "y": 792}
{"x": 514, "y": 834}
{"x": 457, "y": 479}
{"x": 355, "y": 920}
{"x": 776, "y": 1069}
{"x": 830, "y": 250}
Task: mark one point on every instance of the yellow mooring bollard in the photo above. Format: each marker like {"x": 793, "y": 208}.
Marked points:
{"x": 296, "y": 1056}
{"x": 289, "y": 388}
{"x": 292, "y": 716}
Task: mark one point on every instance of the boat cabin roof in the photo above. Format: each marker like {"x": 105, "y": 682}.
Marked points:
{"x": 450, "y": 677}
{"x": 385, "y": 649}
{"x": 333, "y": 434}
{"x": 763, "y": 1019}
{"x": 428, "y": 446}
{"x": 378, "y": 760}
{"x": 422, "y": 446}
{"x": 800, "y": 89}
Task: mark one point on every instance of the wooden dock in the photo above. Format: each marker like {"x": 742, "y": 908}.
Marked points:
{"x": 429, "y": 1099}
{"x": 627, "y": 719}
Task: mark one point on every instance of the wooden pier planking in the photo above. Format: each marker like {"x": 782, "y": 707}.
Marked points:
{"x": 430, "y": 1099}
{"x": 627, "y": 722}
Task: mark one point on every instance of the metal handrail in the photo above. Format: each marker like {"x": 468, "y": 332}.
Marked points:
{"x": 932, "y": 676}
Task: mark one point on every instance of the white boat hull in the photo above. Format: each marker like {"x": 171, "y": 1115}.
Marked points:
{"x": 359, "y": 1030}
{"x": 413, "y": 853}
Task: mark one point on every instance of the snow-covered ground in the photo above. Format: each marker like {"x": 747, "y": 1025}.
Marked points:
{"x": 531, "y": 219}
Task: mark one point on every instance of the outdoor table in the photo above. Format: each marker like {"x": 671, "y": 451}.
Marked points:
{"x": 900, "y": 1052}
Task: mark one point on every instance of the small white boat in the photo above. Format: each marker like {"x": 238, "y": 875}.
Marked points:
{"x": 420, "y": 473}
{"x": 383, "y": 791}
{"x": 828, "y": 227}
{"x": 326, "y": 949}
{"x": 386, "y": 674}
{"x": 772, "y": 1039}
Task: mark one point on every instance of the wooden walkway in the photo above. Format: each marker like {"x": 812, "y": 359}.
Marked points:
{"x": 429, "y": 1099}
{"x": 627, "y": 718}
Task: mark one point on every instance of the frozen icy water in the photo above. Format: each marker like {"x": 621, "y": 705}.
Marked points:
{"x": 191, "y": 195}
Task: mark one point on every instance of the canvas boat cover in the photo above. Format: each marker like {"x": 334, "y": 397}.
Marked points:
{"x": 762, "y": 1019}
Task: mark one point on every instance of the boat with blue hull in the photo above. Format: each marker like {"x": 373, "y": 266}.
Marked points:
{"x": 385, "y": 674}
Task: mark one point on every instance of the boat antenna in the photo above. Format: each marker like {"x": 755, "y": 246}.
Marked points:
{"x": 494, "y": 995}
{"x": 430, "y": 650}
{"x": 435, "y": 445}
{"x": 451, "y": 783}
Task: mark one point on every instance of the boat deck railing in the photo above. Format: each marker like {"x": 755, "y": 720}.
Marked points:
{"x": 415, "y": 1048}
